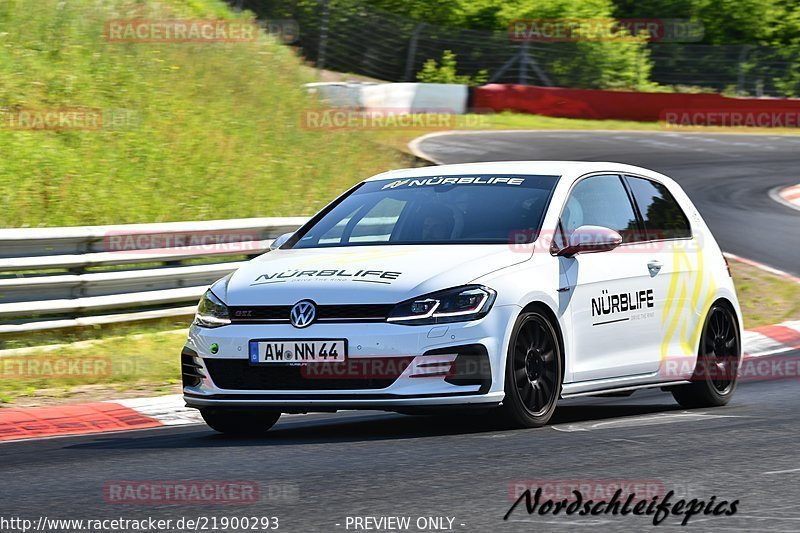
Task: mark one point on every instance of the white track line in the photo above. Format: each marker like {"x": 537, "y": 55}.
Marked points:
{"x": 782, "y": 471}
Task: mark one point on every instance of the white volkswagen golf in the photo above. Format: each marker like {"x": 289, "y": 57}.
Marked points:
{"x": 491, "y": 285}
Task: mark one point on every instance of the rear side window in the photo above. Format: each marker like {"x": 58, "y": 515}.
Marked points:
{"x": 601, "y": 201}
{"x": 663, "y": 217}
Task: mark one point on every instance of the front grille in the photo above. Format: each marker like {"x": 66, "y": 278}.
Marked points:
{"x": 355, "y": 311}
{"x": 355, "y": 374}
{"x": 325, "y": 313}
{"x": 260, "y": 312}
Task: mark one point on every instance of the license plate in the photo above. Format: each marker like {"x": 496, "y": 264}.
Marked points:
{"x": 277, "y": 351}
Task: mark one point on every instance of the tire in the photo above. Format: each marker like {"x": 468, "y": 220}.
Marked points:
{"x": 718, "y": 360}
{"x": 239, "y": 422}
{"x": 534, "y": 372}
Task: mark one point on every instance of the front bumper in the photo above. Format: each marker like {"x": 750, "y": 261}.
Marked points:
{"x": 430, "y": 363}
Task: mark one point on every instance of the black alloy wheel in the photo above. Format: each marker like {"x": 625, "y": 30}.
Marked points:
{"x": 718, "y": 361}
{"x": 534, "y": 373}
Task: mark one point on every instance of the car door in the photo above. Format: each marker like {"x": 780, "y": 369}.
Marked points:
{"x": 675, "y": 266}
{"x": 611, "y": 294}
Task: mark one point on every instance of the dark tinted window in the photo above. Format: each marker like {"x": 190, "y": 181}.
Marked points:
{"x": 663, "y": 217}
{"x": 466, "y": 209}
{"x": 600, "y": 201}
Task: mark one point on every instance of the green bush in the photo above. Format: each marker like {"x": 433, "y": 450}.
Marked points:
{"x": 446, "y": 72}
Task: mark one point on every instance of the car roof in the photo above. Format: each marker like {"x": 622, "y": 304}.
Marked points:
{"x": 565, "y": 169}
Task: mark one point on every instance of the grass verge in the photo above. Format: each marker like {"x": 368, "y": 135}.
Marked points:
{"x": 765, "y": 298}
{"x": 114, "y": 367}
{"x": 92, "y": 333}
{"x": 205, "y": 130}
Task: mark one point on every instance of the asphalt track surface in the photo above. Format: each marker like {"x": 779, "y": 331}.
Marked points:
{"x": 727, "y": 176}
{"x": 377, "y": 464}
{"x": 364, "y": 464}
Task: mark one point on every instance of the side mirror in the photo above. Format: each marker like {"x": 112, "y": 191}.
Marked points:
{"x": 280, "y": 241}
{"x": 587, "y": 239}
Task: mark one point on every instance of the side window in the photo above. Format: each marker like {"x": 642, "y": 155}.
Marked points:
{"x": 600, "y": 201}
{"x": 663, "y": 217}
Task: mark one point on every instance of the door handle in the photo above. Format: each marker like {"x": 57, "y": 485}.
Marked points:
{"x": 654, "y": 267}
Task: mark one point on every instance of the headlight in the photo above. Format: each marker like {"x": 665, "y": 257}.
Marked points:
{"x": 460, "y": 304}
{"x": 211, "y": 312}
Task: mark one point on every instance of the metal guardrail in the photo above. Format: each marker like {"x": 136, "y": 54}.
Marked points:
{"x": 42, "y": 242}
{"x": 54, "y": 278}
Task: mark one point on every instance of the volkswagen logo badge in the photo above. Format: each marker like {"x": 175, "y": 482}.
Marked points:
{"x": 303, "y": 314}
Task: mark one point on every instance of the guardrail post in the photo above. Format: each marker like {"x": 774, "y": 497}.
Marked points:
{"x": 323, "y": 35}
{"x": 412, "y": 51}
{"x": 740, "y": 78}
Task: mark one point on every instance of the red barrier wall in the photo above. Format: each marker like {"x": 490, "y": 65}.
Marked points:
{"x": 699, "y": 109}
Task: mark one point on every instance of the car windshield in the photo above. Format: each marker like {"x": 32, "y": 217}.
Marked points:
{"x": 464, "y": 209}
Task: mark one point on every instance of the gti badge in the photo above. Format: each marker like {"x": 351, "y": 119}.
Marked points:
{"x": 303, "y": 314}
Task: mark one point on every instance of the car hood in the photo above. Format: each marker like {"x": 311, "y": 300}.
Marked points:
{"x": 368, "y": 274}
